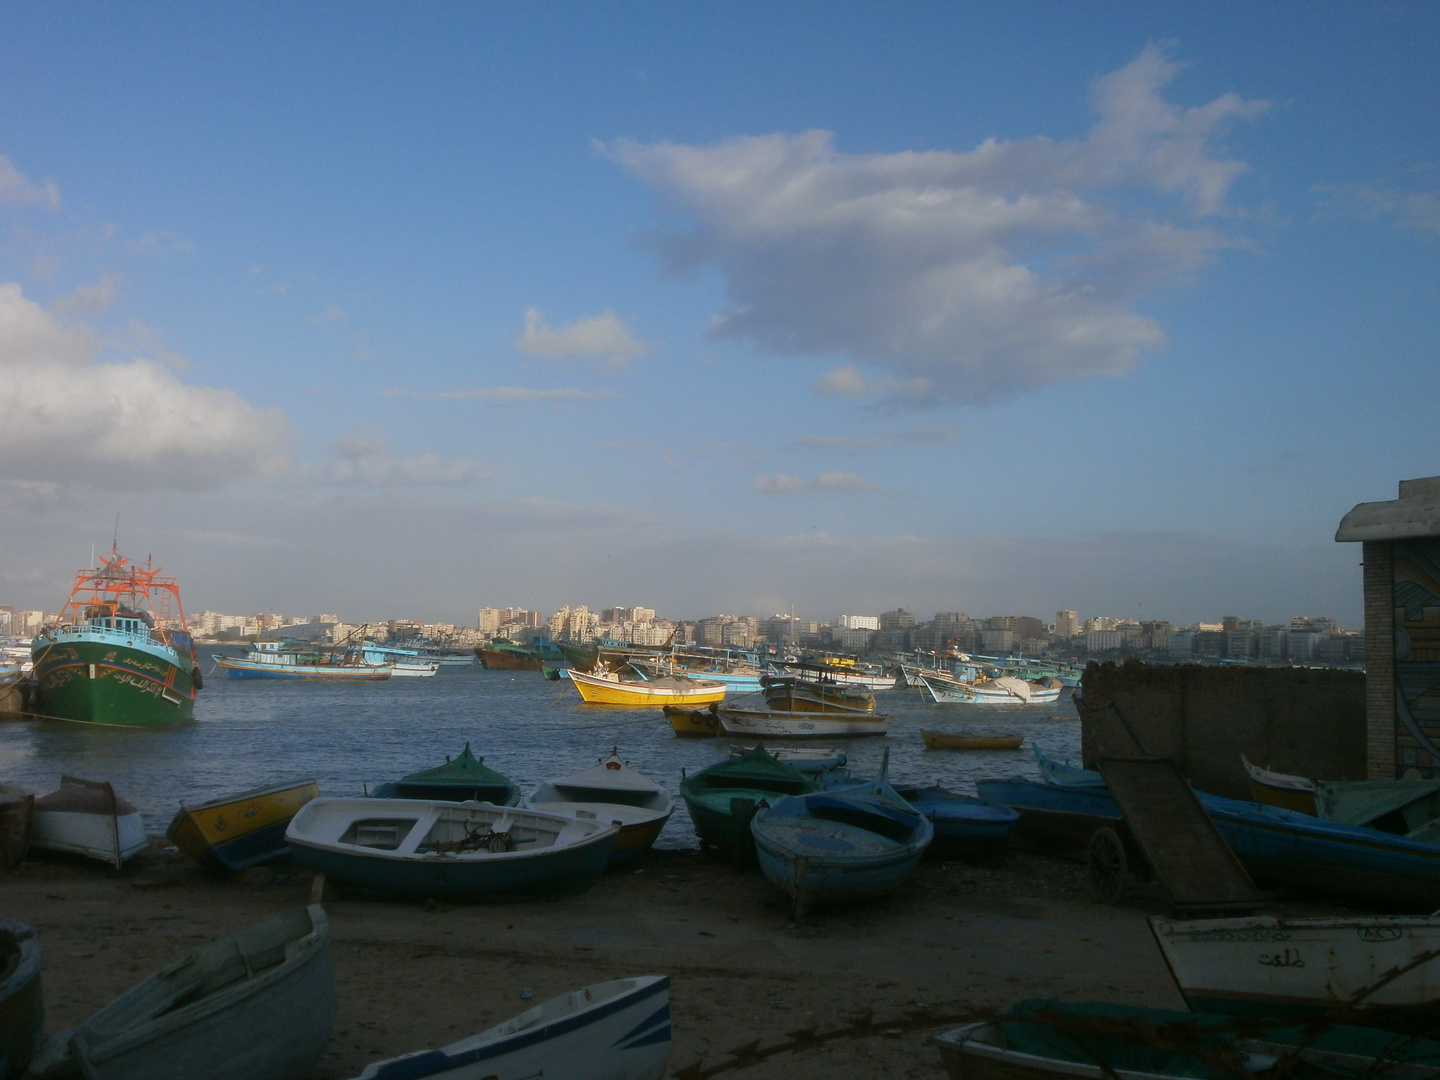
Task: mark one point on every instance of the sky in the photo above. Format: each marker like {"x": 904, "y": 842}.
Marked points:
{"x": 399, "y": 311}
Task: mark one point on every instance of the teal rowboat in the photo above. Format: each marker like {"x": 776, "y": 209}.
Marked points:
{"x": 725, "y": 796}
{"x": 462, "y": 778}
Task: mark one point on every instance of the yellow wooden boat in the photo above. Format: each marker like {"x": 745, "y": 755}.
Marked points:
{"x": 1284, "y": 790}
{"x": 602, "y": 687}
{"x": 940, "y": 740}
{"x": 693, "y": 723}
{"x": 236, "y": 831}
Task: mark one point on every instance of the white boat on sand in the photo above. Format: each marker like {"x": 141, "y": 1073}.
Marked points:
{"x": 610, "y": 792}
{"x": 86, "y": 817}
{"x": 1252, "y": 965}
{"x": 258, "y": 1003}
{"x": 616, "y": 1030}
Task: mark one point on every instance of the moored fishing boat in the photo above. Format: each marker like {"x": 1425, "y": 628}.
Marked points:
{"x": 21, "y": 1012}
{"x": 843, "y": 672}
{"x": 1280, "y": 789}
{"x": 461, "y": 779}
{"x": 965, "y": 825}
{"x": 694, "y": 723}
{"x": 236, "y": 831}
{"x": 603, "y": 687}
{"x": 1002, "y": 690}
{"x": 258, "y": 1003}
{"x": 966, "y": 740}
{"x": 403, "y": 663}
{"x": 790, "y": 693}
{"x": 616, "y": 1030}
{"x": 770, "y": 724}
{"x": 120, "y": 652}
{"x": 293, "y": 660}
{"x": 610, "y": 791}
{"x": 86, "y": 817}
{"x": 502, "y": 655}
{"x": 738, "y": 677}
{"x": 450, "y": 851}
{"x": 722, "y": 798}
{"x": 1269, "y": 966}
{"x": 846, "y": 843}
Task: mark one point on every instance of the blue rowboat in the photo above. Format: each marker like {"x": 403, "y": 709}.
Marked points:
{"x": 236, "y": 831}
{"x": 450, "y": 851}
{"x": 1279, "y": 847}
{"x": 847, "y": 843}
{"x": 965, "y": 825}
{"x": 614, "y": 1029}
{"x": 1056, "y": 772}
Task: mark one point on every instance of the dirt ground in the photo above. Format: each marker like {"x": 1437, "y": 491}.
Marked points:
{"x": 957, "y": 939}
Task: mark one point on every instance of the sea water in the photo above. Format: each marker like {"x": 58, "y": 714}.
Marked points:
{"x": 353, "y": 736}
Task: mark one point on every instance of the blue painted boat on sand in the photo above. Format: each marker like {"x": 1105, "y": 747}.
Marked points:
{"x": 845, "y": 843}
{"x": 965, "y": 825}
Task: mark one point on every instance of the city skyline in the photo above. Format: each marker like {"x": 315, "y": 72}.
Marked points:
{"x": 1022, "y": 307}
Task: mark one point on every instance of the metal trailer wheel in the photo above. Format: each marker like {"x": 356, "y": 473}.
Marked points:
{"x": 1109, "y": 868}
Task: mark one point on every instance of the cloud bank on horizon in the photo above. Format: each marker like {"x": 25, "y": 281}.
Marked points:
{"x": 966, "y": 277}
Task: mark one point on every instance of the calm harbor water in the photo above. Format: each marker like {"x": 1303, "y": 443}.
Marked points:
{"x": 251, "y": 732}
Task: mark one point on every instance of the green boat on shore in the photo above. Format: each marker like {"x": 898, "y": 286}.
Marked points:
{"x": 725, "y": 796}
{"x": 119, "y": 653}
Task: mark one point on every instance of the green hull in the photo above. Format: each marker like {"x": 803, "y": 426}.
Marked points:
{"x": 99, "y": 682}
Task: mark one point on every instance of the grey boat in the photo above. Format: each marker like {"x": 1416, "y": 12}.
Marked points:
{"x": 256, "y": 1005}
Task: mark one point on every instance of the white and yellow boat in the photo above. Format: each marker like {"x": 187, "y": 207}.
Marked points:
{"x": 601, "y": 687}
{"x": 610, "y": 791}
{"x": 236, "y": 831}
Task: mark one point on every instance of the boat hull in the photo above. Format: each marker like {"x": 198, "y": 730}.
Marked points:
{"x": 938, "y": 740}
{"x": 965, "y": 826}
{"x": 693, "y": 723}
{"x": 597, "y": 691}
{"x": 240, "y": 668}
{"x": 17, "y": 815}
{"x": 20, "y": 1000}
{"x": 101, "y": 682}
{"x": 1267, "y": 965}
{"x": 508, "y": 660}
{"x": 560, "y": 870}
{"x": 233, "y": 1033}
{"x": 242, "y": 830}
{"x": 618, "y": 1030}
{"x": 799, "y": 725}
{"x": 956, "y": 692}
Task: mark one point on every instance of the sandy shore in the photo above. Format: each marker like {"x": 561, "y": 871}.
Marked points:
{"x": 958, "y": 938}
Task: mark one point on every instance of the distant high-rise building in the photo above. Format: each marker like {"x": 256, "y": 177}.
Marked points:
{"x": 1067, "y": 624}
{"x": 860, "y": 622}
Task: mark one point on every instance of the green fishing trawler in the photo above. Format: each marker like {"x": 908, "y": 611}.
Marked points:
{"x": 119, "y": 653}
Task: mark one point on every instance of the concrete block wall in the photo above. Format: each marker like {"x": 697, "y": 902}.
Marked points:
{"x": 1307, "y": 721}
{"x": 1383, "y": 731}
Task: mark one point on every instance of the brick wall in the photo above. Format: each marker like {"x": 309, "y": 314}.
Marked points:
{"x": 1381, "y": 753}
{"x": 1297, "y": 720}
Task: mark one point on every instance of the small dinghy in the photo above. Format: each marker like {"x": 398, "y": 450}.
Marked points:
{"x": 258, "y": 1003}
{"x": 847, "y": 843}
{"x": 964, "y": 740}
{"x": 86, "y": 817}
{"x": 610, "y": 792}
{"x": 461, "y": 779}
{"x": 20, "y": 1010}
{"x": 616, "y": 1030}
{"x": 723, "y": 797}
{"x": 965, "y": 826}
{"x": 808, "y": 759}
{"x": 450, "y": 851}
{"x": 236, "y": 831}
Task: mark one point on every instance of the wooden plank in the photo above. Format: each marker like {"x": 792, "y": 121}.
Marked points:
{"x": 1184, "y": 848}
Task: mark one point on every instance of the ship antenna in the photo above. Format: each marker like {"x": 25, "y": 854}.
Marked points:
{"x": 115, "y": 540}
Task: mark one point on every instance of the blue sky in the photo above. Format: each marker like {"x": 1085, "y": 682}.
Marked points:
{"x": 397, "y": 311}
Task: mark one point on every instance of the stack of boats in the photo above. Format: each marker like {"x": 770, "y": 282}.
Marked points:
{"x": 260, "y": 1004}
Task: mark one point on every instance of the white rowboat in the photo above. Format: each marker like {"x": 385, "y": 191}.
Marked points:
{"x": 86, "y": 817}
{"x": 757, "y": 723}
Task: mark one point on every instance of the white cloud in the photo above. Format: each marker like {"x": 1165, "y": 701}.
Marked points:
{"x": 506, "y": 395}
{"x": 1416, "y": 208}
{"x": 967, "y": 276}
{"x": 87, "y": 300}
{"x": 149, "y": 342}
{"x": 789, "y": 484}
{"x": 18, "y": 190}
{"x": 363, "y": 459}
{"x": 602, "y": 336}
{"x": 66, "y": 419}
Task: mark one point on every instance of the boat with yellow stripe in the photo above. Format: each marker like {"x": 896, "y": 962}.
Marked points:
{"x": 236, "y": 831}
{"x": 604, "y": 687}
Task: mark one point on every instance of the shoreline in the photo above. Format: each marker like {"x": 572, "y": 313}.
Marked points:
{"x": 957, "y": 939}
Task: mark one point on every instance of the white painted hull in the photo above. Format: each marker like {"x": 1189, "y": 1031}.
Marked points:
{"x": 90, "y": 835}
{"x": 414, "y": 669}
{"x": 617, "y": 1030}
{"x": 1229, "y": 964}
{"x": 796, "y": 725}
